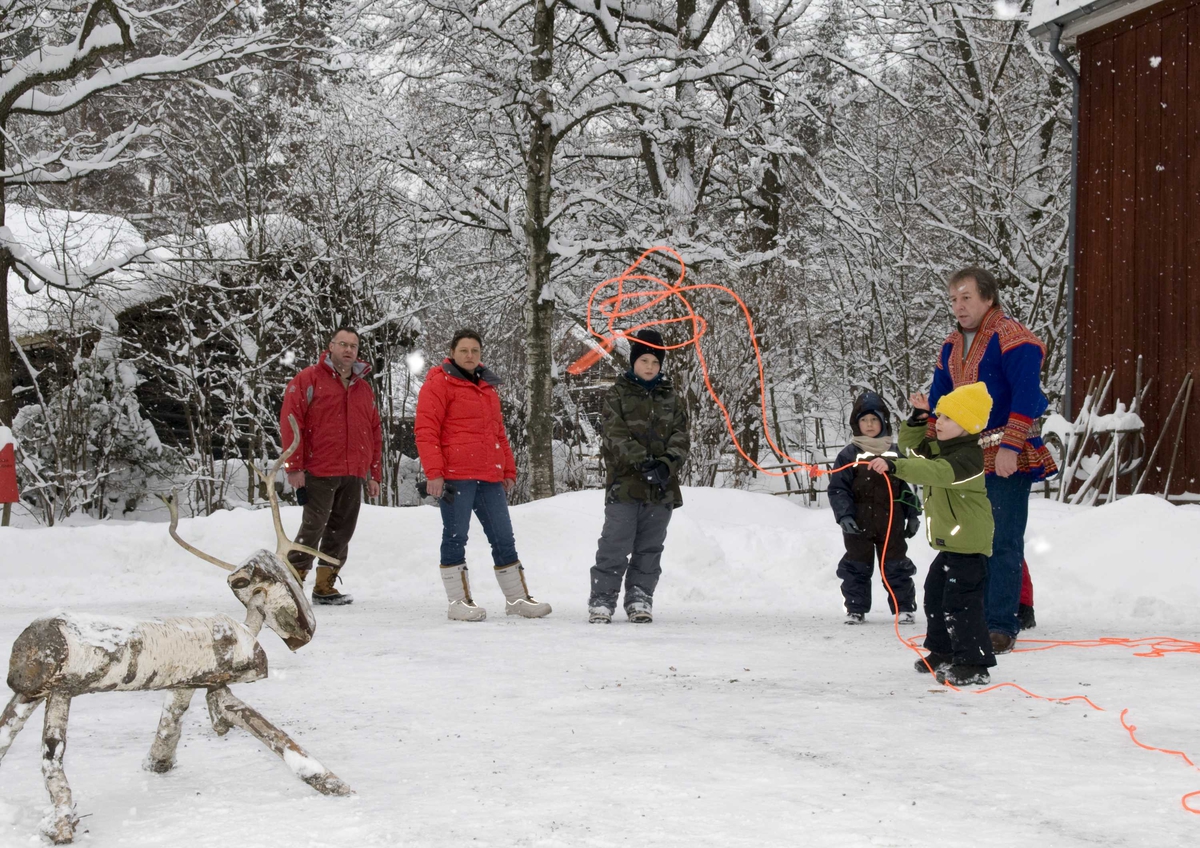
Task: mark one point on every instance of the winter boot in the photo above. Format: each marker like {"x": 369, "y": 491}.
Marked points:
{"x": 938, "y": 662}
{"x": 599, "y": 615}
{"x": 639, "y": 612}
{"x": 964, "y": 675}
{"x": 458, "y": 592}
{"x": 324, "y": 592}
{"x": 517, "y": 599}
{"x": 1025, "y": 617}
{"x": 908, "y": 618}
{"x": 856, "y": 618}
{"x": 1002, "y": 643}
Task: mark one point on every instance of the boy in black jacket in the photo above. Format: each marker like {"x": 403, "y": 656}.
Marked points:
{"x": 861, "y": 504}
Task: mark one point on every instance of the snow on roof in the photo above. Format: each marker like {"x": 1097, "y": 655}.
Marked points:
{"x": 1079, "y": 16}
{"x": 233, "y": 240}
{"x": 70, "y": 241}
{"x": 6, "y": 437}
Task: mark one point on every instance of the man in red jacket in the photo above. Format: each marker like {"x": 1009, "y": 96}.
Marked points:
{"x": 341, "y": 444}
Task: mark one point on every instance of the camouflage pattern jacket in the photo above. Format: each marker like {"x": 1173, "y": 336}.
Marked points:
{"x": 641, "y": 425}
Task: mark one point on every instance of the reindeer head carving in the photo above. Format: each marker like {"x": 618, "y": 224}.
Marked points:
{"x": 266, "y": 584}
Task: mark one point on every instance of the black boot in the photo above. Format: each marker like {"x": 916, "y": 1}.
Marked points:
{"x": 1025, "y": 617}
{"x": 938, "y": 662}
{"x": 964, "y": 675}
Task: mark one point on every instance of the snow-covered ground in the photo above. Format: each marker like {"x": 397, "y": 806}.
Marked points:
{"x": 746, "y": 715}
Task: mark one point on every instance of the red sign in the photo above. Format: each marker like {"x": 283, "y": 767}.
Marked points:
{"x": 8, "y": 475}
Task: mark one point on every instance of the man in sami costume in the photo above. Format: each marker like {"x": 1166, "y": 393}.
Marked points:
{"x": 992, "y": 348}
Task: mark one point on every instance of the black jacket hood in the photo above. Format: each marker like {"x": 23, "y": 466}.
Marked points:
{"x": 870, "y": 402}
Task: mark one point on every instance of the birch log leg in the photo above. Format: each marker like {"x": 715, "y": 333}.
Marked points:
{"x": 13, "y": 718}
{"x": 59, "y": 826}
{"x": 227, "y": 710}
{"x": 162, "y": 750}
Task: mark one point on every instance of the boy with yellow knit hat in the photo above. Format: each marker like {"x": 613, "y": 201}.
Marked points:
{"x": 958, "y": 524}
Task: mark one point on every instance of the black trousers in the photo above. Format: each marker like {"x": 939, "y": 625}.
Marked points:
{"x": 330, "y": 516}
{"x": 857, "y": 566}
{"x": 955, "y": 591}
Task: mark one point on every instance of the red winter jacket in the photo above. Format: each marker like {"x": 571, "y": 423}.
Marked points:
{"x": 460, "y": 430}
{"x": 340, "y": 434}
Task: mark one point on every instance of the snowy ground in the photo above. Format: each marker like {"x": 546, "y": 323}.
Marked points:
{"x": 746, "y": 715}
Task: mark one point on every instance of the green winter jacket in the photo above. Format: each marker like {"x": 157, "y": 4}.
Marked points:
{"x": 958, "y": 515}
{"x": 641, "y": 425}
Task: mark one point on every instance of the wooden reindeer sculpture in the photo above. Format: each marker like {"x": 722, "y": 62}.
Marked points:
{"x": 58, "y": 658}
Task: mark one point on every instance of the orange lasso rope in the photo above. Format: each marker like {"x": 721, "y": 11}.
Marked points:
{"x": 624, "y": 304}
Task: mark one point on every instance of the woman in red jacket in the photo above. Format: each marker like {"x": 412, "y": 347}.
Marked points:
{"x": 469, "y": 466}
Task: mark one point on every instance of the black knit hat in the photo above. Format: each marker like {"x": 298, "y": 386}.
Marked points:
{"x": 637, "y": 350}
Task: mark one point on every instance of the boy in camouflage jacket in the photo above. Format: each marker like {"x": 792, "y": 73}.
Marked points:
{"x": 958, "y": 525}
{"x": 645, "y": 442}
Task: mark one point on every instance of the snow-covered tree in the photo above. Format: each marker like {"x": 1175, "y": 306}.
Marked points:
{"x": 56, "y": 58}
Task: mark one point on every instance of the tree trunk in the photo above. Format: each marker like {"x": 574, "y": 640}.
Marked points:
{"x": 8, "y": 406}
{"x": 539, "y": 306}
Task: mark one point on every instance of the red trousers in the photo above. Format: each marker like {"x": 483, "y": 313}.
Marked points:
{"x": 1026, "y": 586}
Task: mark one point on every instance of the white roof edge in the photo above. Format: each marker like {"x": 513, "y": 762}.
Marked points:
{"x": 1079, "y": 16}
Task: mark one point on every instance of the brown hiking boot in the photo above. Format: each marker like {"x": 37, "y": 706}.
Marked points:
{"x": 1002, "y": 643}
{"x": 324, "y": 592}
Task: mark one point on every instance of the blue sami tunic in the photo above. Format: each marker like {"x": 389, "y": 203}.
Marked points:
{"x": 1007, "y": 358}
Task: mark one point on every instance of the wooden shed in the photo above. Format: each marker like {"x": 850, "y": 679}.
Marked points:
{"x": 1138, "y": 207}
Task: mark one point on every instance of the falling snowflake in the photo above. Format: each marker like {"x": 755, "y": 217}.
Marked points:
{"x": 415, "y": 362}
{"x": 1155, "y": 61}
{"x": 1006, "y": 10}
{"x": 288, "y": 358}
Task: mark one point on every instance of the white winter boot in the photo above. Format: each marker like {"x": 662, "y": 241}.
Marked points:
{"x": 516, "y": 593}
{"x": 458, "y": 592}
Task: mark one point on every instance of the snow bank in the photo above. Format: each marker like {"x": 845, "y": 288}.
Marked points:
{"x": 1134, "y": 559}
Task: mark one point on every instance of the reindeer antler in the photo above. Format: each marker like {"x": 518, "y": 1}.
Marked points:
{"x": 173, "y": 506}
{"x": 284, "y": 545}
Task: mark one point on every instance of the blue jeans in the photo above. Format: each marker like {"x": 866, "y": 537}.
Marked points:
{"x": 1010, "y": 511}
{"x": 490, "y": 503}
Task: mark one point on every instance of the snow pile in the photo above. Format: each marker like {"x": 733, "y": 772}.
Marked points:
{"x": 725, "y": 547}
{"x": 6, "y": 437}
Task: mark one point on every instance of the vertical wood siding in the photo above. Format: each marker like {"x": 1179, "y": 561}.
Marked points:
{"x": 1138, "y": 248}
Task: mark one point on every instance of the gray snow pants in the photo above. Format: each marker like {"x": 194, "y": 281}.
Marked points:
{"x": 631, "y": 547}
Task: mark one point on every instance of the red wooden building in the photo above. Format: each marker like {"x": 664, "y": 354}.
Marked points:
{"x": 1137, "y": 252}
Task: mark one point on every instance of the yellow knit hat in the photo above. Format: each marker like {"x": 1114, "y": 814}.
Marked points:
{"x": 967, "y": 406}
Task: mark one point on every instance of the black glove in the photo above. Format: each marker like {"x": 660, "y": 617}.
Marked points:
{"x": 656, "y": 473}
{"x": 919, "y": 418}
{"x": 912, "y": 526}
{"x": 448, "y": 491}
{"x": 302, "y": 496}
{"x": 850, "y": 526}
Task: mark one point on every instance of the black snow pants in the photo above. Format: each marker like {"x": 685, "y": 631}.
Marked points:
{"x": 955, "y": 591}
{"x": 857, "y": 566}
